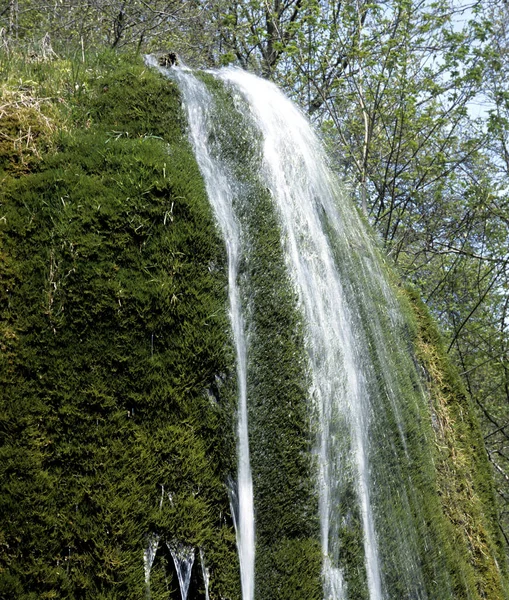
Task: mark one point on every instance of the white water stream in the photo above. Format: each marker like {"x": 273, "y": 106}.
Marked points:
{"x": 205, "y": 573}
{"x": 220, "y": 190}
{"x": 296, "y": 173}
{"x": 149, "y": 555}
{"x": 183, "y": 558}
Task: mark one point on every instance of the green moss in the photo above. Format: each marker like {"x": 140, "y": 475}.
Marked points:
{"x": 117, "y": 396}
{"x": 464, "y": 480}
{"x": 291, "y": 569}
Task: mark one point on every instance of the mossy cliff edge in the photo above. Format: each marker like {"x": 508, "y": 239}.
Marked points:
{"x": 117, "y": 391}
{"x": 117, "y": 368}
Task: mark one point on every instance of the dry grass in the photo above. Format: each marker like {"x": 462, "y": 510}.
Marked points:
{"x": 27, "y": 125}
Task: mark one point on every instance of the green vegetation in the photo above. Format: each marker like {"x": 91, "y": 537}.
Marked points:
{"x": 464, "y": 481}
{"x": 116, "y": 369}
{"x": 117, "y": 393}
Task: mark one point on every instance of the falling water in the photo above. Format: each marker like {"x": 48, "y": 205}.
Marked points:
{"x": 149, "y": 555}
{"x": 183, "y": 557}
{"x": 218, "y": 180}
{"x": 353, "y": 326}
{"x": 301, "y": 187}
{"x": 205, "y": 573}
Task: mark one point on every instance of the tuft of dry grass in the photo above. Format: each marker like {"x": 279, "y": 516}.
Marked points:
{"x": 27, "y": 125}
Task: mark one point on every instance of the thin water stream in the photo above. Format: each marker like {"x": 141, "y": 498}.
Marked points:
{"x": 220, "y": 188}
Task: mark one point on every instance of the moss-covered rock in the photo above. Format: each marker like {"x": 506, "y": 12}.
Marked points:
{"x": 117, "y": 404}
{"x": 464, "y": 482}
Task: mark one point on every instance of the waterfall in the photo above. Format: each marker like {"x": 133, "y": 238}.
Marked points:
{"x": 375, "y": 533}
{"x": 149, "y": 555}
{"x": 358, "y": 365}
{"x": 220, "y": 190}
{"x": 183, "y": 557}
{"x": 294, "y": 170}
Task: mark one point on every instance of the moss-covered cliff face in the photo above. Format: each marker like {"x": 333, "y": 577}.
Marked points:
{"x": 117, "y": 390}
{"x": 463, "y": 481}
{"x": 117, "y": 380}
